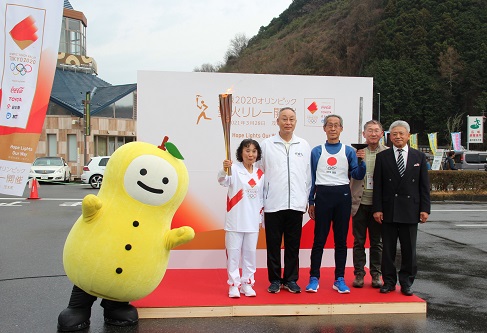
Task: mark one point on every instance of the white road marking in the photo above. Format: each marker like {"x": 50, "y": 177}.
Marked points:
{"x": 472, "y": 225}
{"x": 44, "y": 199}
{"x": 12, "y": 204}
{"x": 459, "y": 210}
{"x": 66, "y": 203}
{"x": 71, "y": 204}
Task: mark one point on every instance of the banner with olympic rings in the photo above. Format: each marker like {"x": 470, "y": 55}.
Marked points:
{"x": 30, "y": 32}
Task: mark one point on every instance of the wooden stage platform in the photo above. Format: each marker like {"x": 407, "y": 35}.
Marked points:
{"x": 185, "y": 293}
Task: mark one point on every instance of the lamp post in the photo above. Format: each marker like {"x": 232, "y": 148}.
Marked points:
{"x": 378, "y": 114}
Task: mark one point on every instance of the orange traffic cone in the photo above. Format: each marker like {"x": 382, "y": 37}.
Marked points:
{"x": 33, "y": 184}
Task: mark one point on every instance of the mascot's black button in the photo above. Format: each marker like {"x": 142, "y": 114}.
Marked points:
{"x": 119, "y": 270}
{"x": 136, "y": 223}
{"x": 128, "y": 247}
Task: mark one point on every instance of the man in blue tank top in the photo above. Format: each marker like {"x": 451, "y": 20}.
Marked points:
{"x": 330, "y": 199}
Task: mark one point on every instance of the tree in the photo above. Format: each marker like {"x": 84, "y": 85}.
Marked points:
{"x": 237, "y": 46}
{"x": 453, "y": 124}
{"x": 207, "y": 67}
{"x": 450, "y": 65}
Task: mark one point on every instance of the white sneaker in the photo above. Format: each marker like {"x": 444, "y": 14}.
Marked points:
{"x": 247, "y": 290}
{"x": 233, "y": 292}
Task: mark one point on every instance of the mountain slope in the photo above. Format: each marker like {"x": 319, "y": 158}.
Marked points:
{"x": 428, "y": 58}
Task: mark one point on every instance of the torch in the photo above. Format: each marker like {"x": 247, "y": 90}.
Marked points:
{"x": 360, "y": 145}
{"x": 226, "y": 115}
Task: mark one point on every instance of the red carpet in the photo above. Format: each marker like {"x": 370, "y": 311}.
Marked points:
{"x": 207, "y": 288}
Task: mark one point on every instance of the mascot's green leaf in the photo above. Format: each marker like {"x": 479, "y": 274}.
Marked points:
{"x": 171, "y": 148}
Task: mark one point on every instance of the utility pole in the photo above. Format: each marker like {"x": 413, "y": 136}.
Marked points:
{"x": 378, "y": 114}
{"x": 87, "y": 125}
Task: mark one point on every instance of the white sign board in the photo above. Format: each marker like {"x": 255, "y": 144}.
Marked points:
{"x": 184, "y": 107}
{"x": 475, "y": 129}
{"x": 437, "y": 159}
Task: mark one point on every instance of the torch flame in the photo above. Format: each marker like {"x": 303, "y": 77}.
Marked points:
{"x": 228, "y": 92}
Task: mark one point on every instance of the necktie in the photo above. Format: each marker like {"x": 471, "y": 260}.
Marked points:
{"x": 400, "y": 162}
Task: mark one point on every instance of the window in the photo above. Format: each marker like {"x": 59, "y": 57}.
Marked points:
{"x": 101, "y": 146}
{"x": 73, "y": 37}
{"x": 62, "y": 44}
{"x": 123, "y": 108}
{"x": 472, "y": 158}
{"x": 106, "y": 145}
{"x": 75, "y": 42}
{"x": 103, "y": 162}
{"x": 111, "y": 145}
{"x": 51, "y": 145}
{"x": 72, "y": 148}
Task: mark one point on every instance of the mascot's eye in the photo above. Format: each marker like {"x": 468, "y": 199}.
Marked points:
{"x": 143, "y": 172}
{"x": 165, "y": 180}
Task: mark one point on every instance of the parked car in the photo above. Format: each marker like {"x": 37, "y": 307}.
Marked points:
{"x": 471, "y": 160}
{"x": 94, "y": 170}
{"x": 50, "y": 169}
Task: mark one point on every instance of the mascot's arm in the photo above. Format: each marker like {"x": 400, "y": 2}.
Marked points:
{"x": 90, "y": 206}
{"x": 178, "y": 236}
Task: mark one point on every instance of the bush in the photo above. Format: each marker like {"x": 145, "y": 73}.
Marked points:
{"x": 453, "y": 180}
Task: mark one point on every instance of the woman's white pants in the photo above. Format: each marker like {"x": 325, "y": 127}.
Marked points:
{"x": 241, "y": 248}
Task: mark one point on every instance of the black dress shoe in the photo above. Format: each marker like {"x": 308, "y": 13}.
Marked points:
{"x": 386, "y": 288}
{"x": 406, "y": 291}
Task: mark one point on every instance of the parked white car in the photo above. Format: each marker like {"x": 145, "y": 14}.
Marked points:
{"x": 50, "y": 169}
{"x": 94, "y": 170}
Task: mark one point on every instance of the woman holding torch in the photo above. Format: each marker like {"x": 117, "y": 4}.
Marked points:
{"x": 244, "y": 216}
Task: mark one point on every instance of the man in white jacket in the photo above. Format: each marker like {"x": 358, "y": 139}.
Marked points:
{"x": 286, "y": 165}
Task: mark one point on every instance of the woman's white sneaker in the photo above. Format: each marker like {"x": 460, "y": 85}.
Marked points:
{"x": 247, "y": 290}
{"x": 233, "y": 292}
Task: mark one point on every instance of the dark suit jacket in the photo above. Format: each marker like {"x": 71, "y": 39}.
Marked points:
{"x": 401, "y": 199}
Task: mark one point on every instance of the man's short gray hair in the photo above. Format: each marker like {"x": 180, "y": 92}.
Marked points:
{"x": 286, "y": 108}
{"x": 400, "y": 123}
{"x": 333, "y": 116}
{"x": 373, "y": 122}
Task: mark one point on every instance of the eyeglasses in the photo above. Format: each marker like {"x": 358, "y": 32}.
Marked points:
{"x": 333, "y": 126}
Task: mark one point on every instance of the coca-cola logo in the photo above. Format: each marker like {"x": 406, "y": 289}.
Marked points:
{"x": 17, "y": 90}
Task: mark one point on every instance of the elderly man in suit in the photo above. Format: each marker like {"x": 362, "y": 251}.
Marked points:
{"x": 401, "y": 200}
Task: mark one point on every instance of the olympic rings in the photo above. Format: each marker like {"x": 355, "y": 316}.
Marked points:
{"x": 20, "y": 68}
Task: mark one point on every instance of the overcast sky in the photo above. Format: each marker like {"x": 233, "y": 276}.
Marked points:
{"x": 167, "y": 35}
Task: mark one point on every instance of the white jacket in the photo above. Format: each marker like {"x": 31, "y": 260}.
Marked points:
{"x": 244, "y": 198}
{"x": 287, "y": 174}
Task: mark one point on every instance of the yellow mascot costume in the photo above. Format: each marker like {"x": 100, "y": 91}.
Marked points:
{"x": 118, "y": 249}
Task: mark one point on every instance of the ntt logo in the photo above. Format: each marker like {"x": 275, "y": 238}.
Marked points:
{"x": 8, "y": 115}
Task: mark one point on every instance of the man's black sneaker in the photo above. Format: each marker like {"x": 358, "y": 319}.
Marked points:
{"x": 292, "y": 287}
{"x": 275, "y": 287}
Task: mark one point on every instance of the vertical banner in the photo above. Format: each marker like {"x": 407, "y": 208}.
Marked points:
{"x": 433, "y": 142}
{"x": 456, "y": 141}
{"x": 475, "y": 129}
{"x": 30, "y": 31}
{"x": 413, "y": 141}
